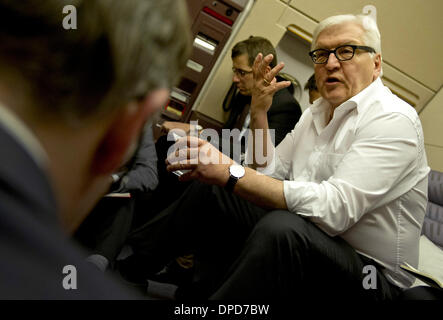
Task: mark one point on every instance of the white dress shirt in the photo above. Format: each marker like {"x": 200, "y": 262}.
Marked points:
{"x": 363, "y": 176}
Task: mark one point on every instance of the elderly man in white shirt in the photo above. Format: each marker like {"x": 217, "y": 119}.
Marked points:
{"x": 345, "y": 192}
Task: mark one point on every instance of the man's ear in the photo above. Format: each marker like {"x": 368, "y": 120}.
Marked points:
{"x": 377, "y": 66}
{"x": 124, "y": 132}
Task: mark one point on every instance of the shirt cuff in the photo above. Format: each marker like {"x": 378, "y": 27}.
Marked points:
{"x": 301, "y": 197}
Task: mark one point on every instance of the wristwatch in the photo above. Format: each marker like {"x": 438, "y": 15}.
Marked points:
{"x": 236, "y": 172}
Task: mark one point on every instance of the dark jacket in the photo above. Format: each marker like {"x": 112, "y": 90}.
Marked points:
{"x": 33, "y": 248}
{"x": 283, "y": 114}
{"x": 141, "y": 171}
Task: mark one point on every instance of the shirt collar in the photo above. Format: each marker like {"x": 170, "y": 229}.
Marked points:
{"x": 320, "y": 108}
{"x": 361, "y": 98}
{"x": 18, "y": 129}
{"x": 321, "y": 105}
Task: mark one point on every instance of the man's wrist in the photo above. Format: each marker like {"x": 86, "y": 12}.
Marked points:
{"x": 258, "y": 114}
{"x": 235, "y": 172}
{"x": 259, "y": 119}
{"x": 226, "y": 174}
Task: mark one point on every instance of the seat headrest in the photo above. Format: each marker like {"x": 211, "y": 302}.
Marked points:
{"x": 435, "y": 187}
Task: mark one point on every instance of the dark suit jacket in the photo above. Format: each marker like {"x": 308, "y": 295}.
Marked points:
{"x": 141, "y": 175}
{"x": 283, "y": 114}
{"x": 33, "y": 249}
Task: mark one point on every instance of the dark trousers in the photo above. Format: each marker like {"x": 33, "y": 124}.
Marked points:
{"x": 106, "y": 228}
{"x": 247, "y": 252}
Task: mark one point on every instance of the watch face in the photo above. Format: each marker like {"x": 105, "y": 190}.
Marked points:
{"x": 237, "y": 171}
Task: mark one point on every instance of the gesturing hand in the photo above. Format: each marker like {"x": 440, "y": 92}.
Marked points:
{"x": 265, "y": 83}
{"x": 205, "y": 162}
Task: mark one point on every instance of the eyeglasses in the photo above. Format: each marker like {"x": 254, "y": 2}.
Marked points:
{"x": 240, "y": 72}
{"x": 342, "y": 53}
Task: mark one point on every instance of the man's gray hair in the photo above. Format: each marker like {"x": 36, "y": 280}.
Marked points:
{"x": 371, "y": 35}
{"x": 120, "y": 51}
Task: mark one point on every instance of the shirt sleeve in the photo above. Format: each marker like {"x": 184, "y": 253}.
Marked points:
{"x": 374, "y": 171}
{"x": 280, "y": 163}
{"x": 280, "y": 166}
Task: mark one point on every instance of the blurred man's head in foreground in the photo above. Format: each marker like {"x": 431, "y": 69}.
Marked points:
{"x": 86, "y": 93}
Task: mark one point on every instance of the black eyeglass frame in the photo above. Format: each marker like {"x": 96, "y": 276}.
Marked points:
{"x": 240, "y": 72}
{"x": 353, "y": 46}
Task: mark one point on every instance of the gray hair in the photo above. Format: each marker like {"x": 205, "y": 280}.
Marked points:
{"x": 371, "y": 36}
{"x": 122, "y": 50}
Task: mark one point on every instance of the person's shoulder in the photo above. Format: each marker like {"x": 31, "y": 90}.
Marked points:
{"x": 384, "y": 114}
{"x": 284, "y": 101}
{"x": 24, "y": 181}
{"x": 393, "y": 106}
{"x": 36, "y": 255}
{"x": 39, "y": 262}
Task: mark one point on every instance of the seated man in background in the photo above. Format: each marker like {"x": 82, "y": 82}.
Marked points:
{"x": 284, "y": 111}
{"x": 72, "y": 106}
{"x": 344, "y": 191}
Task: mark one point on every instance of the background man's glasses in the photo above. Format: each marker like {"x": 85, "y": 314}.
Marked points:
{"x": 342, "y": 53}
{"x": 240, "y": 72}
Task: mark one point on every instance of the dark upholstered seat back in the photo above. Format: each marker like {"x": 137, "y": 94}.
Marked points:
{"x": 433, "y": 223}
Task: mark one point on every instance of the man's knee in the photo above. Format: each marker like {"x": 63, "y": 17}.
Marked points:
{"x": 282, "y": 225}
